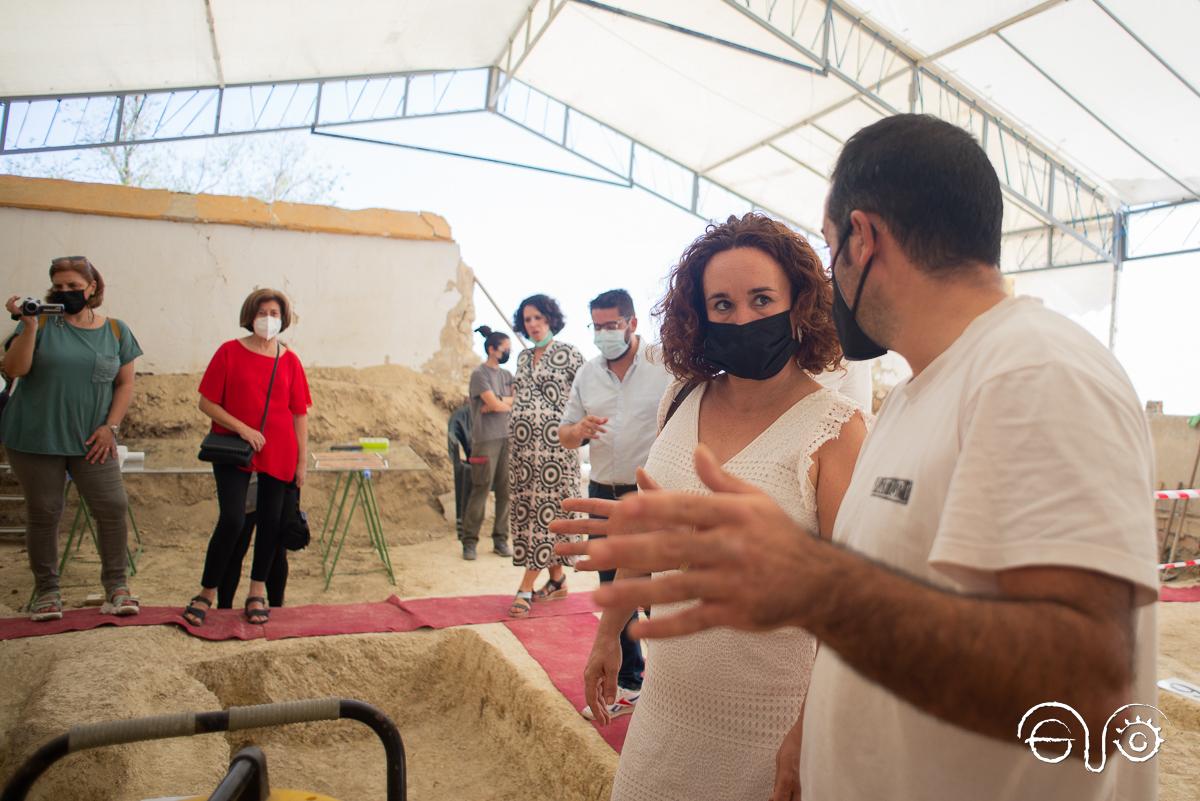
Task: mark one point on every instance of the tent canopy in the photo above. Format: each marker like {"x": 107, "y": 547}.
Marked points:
{"x": 1087, "y": 108}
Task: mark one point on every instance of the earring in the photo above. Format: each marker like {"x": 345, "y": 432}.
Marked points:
{"x": 799, "y": 335}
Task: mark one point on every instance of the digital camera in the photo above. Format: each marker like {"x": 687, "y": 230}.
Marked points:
{"x": 31, "y": 307}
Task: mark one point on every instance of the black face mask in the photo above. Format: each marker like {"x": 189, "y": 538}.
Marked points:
{"x": 72, "y": 300}
{"x": 756, "y": 351}
{"x": 856, "y": 345}
{"x": 504, "y": 357}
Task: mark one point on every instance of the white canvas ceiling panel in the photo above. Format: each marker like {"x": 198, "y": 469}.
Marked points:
{"x": 1169, "y": 28}
{"x": 716, "y": 19}
{"x": 813, "y": 146}
{"x": 995, "y": 72}
{"x": 62, "y": 46}
{"x": 844, "y": 122}
{"x": 1122, "y": 84}
{"x": 777, "y": 183}
{"x": 267, "y": 40}
{"x": 929, "y": 27}
{"x": 695, "y": 101}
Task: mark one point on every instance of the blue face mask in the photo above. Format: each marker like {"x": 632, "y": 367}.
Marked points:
{"x": 544, "y": 342}
{"x": 612, "y": 344}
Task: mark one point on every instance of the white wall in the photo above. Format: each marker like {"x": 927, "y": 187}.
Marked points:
{"x": 363, "y": 300}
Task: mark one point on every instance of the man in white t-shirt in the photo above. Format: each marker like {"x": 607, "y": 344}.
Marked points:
{"x": 995, "y": 549}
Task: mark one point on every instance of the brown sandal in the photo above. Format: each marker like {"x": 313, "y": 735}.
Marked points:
{"x": 522, "y": 605}
{"x": 552, "y": 590}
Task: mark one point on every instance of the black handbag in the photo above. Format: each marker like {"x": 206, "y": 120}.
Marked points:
{"x": 230, "y": 448}
{"x": 293, "y": 529}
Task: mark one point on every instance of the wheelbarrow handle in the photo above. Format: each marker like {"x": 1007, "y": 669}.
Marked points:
{"x": 186, "y": 724}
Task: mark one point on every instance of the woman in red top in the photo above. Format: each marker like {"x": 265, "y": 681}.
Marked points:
{"x": 233, "y": 393}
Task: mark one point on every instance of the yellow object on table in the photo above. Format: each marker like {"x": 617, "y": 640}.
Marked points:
{"x": 380, "y": 444}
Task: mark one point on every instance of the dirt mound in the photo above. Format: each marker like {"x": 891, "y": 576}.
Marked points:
{"x": 474, "y": 726}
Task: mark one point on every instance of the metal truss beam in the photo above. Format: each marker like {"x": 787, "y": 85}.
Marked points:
{"x": 658, "y": 23}
{"x": 48, "y": 124}
{"x": 74, "y": 122}
{"x": 888, "y": 78}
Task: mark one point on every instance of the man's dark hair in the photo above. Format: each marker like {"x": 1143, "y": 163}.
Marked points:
{"x": 617, "y": 299}
{"x": 930, "y": 182}
{"x": 548, "y": 306}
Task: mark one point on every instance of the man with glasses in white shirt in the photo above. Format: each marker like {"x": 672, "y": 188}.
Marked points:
{"x": 613, "y": 408}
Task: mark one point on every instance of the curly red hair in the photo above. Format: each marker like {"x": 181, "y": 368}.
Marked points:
{"x": 682, "y": 313}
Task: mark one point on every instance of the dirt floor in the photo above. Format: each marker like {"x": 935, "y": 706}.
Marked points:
{"x": 479, "y": 717}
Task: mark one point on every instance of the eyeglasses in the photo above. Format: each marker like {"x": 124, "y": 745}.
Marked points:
{"x": 616, "y": 325}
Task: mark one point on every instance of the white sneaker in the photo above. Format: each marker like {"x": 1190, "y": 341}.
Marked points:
{"x": 623, "y": 705}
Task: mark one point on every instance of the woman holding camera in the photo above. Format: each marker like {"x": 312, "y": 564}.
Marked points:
{"x": 234, "y": 393}
{"x": 76, "y": 383}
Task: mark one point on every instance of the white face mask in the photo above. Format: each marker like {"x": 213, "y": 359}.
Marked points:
{"x": 611, "y": 343}
{"x": 267, "y": 327}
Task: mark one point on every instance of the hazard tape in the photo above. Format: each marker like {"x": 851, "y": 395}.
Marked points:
{"x": 1177, "y": 565}
{"x": 1176, "y": 495}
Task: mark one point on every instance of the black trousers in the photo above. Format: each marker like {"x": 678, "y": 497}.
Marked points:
{"x": 276, "y": 581}
{"x": 632, "y": 663}
{"x": 232, "y": 484}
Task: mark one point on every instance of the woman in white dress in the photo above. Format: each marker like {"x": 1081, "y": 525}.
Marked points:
{"x": 745, "y": 323}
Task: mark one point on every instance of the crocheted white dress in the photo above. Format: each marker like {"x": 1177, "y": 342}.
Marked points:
{"x": 715, "y": 706}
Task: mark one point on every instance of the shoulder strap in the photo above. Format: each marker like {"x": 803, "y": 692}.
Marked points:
{"x": 115, "y": 325}
{"x": 680, "y": 397}
{"x": 42, "y": 320}
{"x": 270, "y": 386}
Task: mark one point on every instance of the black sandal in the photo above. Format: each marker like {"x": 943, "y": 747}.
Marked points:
{"x": 257, "y": 616}
{"x": 195, "y": 611}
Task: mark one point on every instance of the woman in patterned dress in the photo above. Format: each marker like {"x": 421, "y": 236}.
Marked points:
{"x": 542, "y": 473}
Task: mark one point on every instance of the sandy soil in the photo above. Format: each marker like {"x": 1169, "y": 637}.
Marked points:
{"x": 479, "y": 717}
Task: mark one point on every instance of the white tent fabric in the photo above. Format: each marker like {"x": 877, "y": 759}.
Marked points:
{"x": 1107, "y": 87}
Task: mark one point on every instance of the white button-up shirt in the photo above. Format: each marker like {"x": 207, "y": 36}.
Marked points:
{"x": 631, "y": 406}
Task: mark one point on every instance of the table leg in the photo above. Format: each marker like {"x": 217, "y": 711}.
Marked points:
{"x": 337, "y": 482}
{"x": 375, "y": 523}
{"x": 346, "y": 530}
{"x": 337, "y": 521}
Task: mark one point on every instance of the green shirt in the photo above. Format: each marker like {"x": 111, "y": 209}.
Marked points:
{"x": 68, "y": 391}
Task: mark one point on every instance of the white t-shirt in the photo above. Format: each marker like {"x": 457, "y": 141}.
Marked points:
{"x": 1022, "y": 444}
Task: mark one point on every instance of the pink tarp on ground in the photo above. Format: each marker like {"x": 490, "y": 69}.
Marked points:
{"x": 561, "y": 646}
{"x": 1179, "y": 593}
{"x": 315, "y": 620}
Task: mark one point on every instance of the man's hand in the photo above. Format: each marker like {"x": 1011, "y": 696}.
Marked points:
{"x": 592, "y": 426}
{"x": 301, "y": 472}
{"x": 598, "y": 526}
{"x": 739, "y": 554}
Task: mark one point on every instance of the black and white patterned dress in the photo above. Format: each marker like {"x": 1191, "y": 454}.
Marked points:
{"x": 541, "y": 471}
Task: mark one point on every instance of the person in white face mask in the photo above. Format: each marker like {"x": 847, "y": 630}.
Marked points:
{"x": 613, "y": 407}
{"x": 254, "y": 388}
